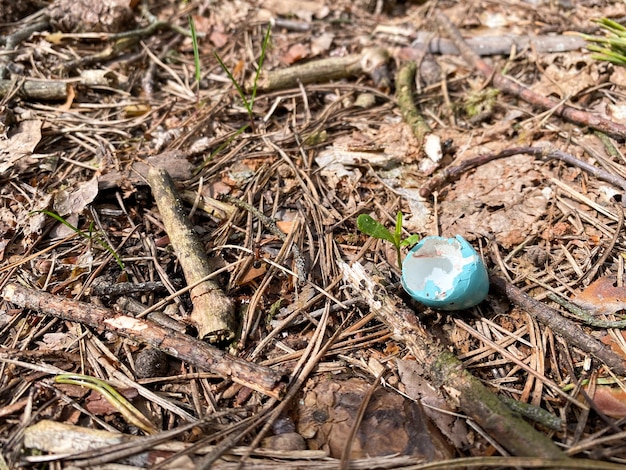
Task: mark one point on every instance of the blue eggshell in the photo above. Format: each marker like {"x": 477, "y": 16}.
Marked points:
{"x": 445, "y": 274}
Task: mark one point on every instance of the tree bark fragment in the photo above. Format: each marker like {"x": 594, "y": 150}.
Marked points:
{"x": 213, "y": 311}
{"x": 183, "y": 347}
{"x": 446, "y": 372}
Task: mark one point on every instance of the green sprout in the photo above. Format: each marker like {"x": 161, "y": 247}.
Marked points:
{"x": 369, "y": 226}
{"x": 248, "y": 103}
{"x": 196, "y": 50}
{"x": 611, "y": 48}
{"x": 88, "y": 236}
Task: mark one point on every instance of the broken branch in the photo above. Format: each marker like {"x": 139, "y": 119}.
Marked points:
{"x": 372, "y": 61}
{"x": 507, "y": 85}
{"x": 453, "y": 173}
{"x": 560, "y": 325}
{"x": 446, "y": 372}
{"x": 405, "y": 85}
{"x": 213, "y": 311}
{"x": 35, "y": 89}
{"x": 181, "y": 346}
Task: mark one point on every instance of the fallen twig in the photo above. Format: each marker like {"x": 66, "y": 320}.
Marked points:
{"x": 503, "y": 44}
{"x": 560, "y": 325}
{"x": 35, "y": 89}
{"x": 371, "y": 61}
{"x": 405, "y": 85}
{"x": 446, "y": 372}
{"x": 453, "y": 173}
{"x": 507, "y": 85}
{"x": 584, "y": 316}
{"x": 213, "y": 312}
{"x": 181, "y": 346}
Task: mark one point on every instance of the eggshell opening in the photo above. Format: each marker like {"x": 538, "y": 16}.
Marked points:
{"x": 445, "y": 273}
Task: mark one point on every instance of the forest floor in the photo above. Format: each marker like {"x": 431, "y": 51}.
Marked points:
{"x": 183, "y": 281}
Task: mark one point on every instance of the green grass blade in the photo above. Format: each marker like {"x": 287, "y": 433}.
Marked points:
{"x": 410, "y": 241}
{"x": 222, "y": 147}
{"x": 234, "y": 82}
{"x": 196, "y": 50}
{"x": 60, "y": 219}
{"x": 266, "y": 41}
{"x": 398, "y": 231}
{"x": 88, "y": 236}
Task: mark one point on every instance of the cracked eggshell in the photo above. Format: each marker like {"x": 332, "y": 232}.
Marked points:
{"x": 445, "y": 274}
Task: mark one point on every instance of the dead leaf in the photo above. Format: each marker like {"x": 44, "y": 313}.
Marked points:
{"x": 614, "y": 344}
{"x": 294, "y": 54}
{"x": 99, "y": 405}
{"x": 392, "y": 424}
{"x": 602, "y": 296}
{"x": 610, "y": 400}
{"x": 20, "y": 144}
{"x": 218, "y": 38}
{"x": 57, "y": 341}
{"x": 173, "y": 161}
{"x": 251, "y": 274}
{"x": 321, "y": 43}
{"x": 417, "y": 388}
{"x": 70, "y": 201}
{"x": 501, "y": 197}
{"x": 285, "y": 226}
{"x": 617, "y": 112}
{"x": 568, "y": 78}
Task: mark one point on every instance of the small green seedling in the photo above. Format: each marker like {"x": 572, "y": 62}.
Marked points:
{"x": 248, "y": 103}
{"x": 89, "y": 236}
{"x": 373, "y": 228}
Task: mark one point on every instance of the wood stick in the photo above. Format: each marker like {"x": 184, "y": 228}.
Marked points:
{"x": 503, "y": 44}
{"x": 213, "y": 312}
{"x": 507, "y": 85}
{"x": 446, "y": 372}
{"x": 35, "y": 89}
{"x": 561, "y": 325}
{"x": 372, "y": 61}
{"x": 405, "y": 90}
{"x": 454, "y": 172}
{"x": 181, "y": 346}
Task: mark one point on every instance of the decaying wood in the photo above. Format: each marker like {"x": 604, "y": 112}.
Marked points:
{"x": 213, "y": 312}
{"x": 85, "y": 446}
{"x": 195, "y": 352}
{"x": 561, "y": 325}
{"x": 507, "y": 85}
{"x": 35, "y": 89}
{"x": 446, "y": 372}
{"x": 405, "y": 88}
{"x": 504, "y": 44}
{"x": 371, "y": 61}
